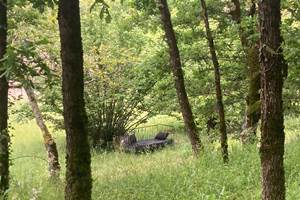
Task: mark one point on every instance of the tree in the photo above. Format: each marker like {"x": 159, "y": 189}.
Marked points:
{"x": 219, "y": 97}
{"x": 78, "y": 172}
{"x": 4, "y": 136}
{"x": 251, "y": 49}
{"x": 273, "y": 72}
{"x": 175, "y": 63}
{"x": 50, "y": 145}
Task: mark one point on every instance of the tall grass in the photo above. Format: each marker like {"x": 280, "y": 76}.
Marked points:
{"x": 168, "y": 174}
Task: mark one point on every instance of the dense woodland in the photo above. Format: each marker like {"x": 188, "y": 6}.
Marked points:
{"x": 221, "y": 75}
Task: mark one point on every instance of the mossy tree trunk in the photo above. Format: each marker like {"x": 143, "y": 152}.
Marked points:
{"x": 251, "y": 48}
{"x": 4, "y": 136}
{"x": 176, "y": 66}
{"x": 252, "y": 115}
{"x": 50, "y": 145}
{"x": 273, "y": 72}
{"x": 219, "y": 97}
{"x": 78, "y": 158}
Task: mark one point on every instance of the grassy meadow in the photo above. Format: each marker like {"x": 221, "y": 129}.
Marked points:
{"x": 168, "y": 174}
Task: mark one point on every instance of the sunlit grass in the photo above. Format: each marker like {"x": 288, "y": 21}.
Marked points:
{"x": 168, "y": 174}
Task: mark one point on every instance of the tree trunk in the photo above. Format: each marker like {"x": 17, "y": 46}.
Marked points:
{"x": 78, "y": 158}
{"x": 224, "y": 144}
{"x": 4, "y": 136}
{"x": 252, "y": 114}
{"x": 273, "y": 70}
{"x": 179, "y": 78}
{"x": 50, "y": 145}
{"x": 253, "y": 96}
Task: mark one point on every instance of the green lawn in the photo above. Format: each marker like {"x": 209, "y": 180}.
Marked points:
{"x": 168, "y": 174}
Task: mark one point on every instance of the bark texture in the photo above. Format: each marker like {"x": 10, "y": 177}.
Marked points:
{"x": 223, "y": 132}
{"x": 273, "y": 70}
{"x": 253, "y": 96}
{"x": 251, "y": 48}
{"x": 4, "y": 136}
{"x": 78, "y": 158}
{"x": 50, "y": 145}
{"x": 179, "y": 77}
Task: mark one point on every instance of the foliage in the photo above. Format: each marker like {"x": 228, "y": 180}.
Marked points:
{"x": 41, "y": 5}
{"x": 31, "y": 60}
{"x": 129, "y": 56}
{"x": 291, "y": 32}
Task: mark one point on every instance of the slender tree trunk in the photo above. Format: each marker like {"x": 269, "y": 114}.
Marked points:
{"x": 78, "y": 172}
{"x": 273, "y": 70}
{"x": 224, "y": 144}
{"x": 4, "y": 136}
{"x": 252, "y": 114}
{"x": 50, "y": 145}
{"x": 179, "y": 78}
